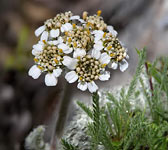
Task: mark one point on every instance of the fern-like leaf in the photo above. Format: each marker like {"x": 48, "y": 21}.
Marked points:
{"x": 67, "y": 146}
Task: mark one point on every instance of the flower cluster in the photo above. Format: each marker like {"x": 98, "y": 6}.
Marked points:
{"x": 81, "y": 47}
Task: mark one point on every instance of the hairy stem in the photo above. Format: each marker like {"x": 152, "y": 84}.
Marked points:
{"x": 61, "y": 117}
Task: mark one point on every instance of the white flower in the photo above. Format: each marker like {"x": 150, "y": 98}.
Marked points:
{"x": 77, "y": 18}
{"x": 54, "y": 33}
{"x": 66, "y": 27}
{"x": 38, "y": 48}
{"x": 79, "y": 53}
{"x": 50, "y": 79}
{"x": 48, "y": 58}
{"x": 60, "y": 39}
{"x": 123, "y": 65}
{"x": 82, "y": 86}
{"x": 81, "y": 20}
{"x": 92, "y": 44}
{"x": 95, "y": 53}
{"x": 36, "y": 52}
{"x": 98, "y": 35}
{"x": 57, "y": 72}
{"x": 98, "y": 45}
{"x": 92, "y": 87}
{"x": 69, "y": 62}
{"x": 104, "y": 58}
{"x": 54, "y": 42}
{"x": 71, "y": 76}
{"x": 66, "y": 49}
{"x": 87, "y": 69}
{"x": 105, "y": 76}
{"x": 40, "y": 30}
{"x": 113, "y": 65}
{"x": 112, "y": 31}
{"x": 34, "y": 72}
{"x": 127, "y": 57}
{"x": 44, "y": 36}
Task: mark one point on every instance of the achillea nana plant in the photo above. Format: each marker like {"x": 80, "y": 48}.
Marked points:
{"x": 81, "y": 49}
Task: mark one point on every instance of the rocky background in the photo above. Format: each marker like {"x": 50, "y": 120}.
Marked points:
{"x": 26, "y": 103}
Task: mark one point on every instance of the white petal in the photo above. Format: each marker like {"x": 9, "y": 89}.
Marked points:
{"x": 62, "y": 29}
{"x": 34, "y": 72}
{"x": 44, "y": 36}
{"x": 92, "y": 87}
{"x": 69, "y": 62}
{"x": 41, "y": 42}
{"x": 123, "y": 65}
{"x": 54, "y": 33}
{"x": 71, "y": 76}
{"x": 96, "y": 54}
{"x": 98, "y": 45}
{"x": 40, "y": 30}
{"x": 81, "y": 20}
{"x": 77, "y": 18}
{"x": 68, "y": 51}
{"x": 65, "y": 48}
{"x": 38, "y": 47}
{"x": 105, "y": 76}
{"x": 98, "y": 32}
{"x": 50, "y": 79}
{"x": 36, "y": 52}
{"x": 66, "y": 27}
{"x": 54, "y": 42}
{"x": 111, "y": 30}
{"x": 60, "y": 40}
{"x": 57, "y": 72}
{"x": 74, "y": 17}
{"x": 113, "y": 65}
{"x": 82, "y": 86}
{"x": 79, "y": 53}
{"x": 96, "y": 39}
{"x": 104, "y": 58}
{"x": 127, "y": 56}
{"x": 98, "y": 35}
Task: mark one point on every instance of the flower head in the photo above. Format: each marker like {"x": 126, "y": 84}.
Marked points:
{"x": 48, "y": 58}
{"x": 109, "y": 43}
{"x": 52, "y": 27}
{"x": 79, "y": 37}
{"x": 95, "y": 22}
{"x": 83, "y": 45}
{"x": 88, "y": 69}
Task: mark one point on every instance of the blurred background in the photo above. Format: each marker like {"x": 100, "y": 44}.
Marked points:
{"x": 26, "y": 103}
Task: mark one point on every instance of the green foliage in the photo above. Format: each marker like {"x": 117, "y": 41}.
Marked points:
{"x": 117, "y": 126}
{"x": 157, "y": 97}
{"x": 67, "y": 146}
{"x": 142, "y": 57}
{"x": 85, "y": 108}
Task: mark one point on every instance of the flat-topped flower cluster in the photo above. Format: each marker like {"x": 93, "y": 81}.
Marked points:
{"x": 83, "y": 48}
